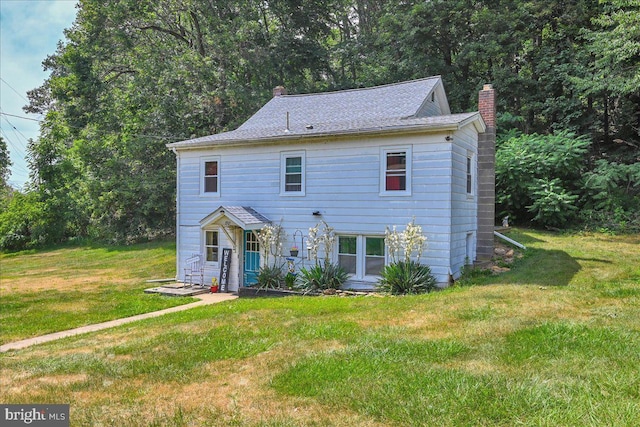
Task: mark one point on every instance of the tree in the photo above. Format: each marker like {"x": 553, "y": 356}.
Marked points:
{"x": 5, "y": 164}
{"x": 5, "y": 171}
{"x": 612, "y": 81}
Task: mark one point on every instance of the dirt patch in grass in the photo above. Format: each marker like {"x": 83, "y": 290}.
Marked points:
{"x": 66, "y": 282}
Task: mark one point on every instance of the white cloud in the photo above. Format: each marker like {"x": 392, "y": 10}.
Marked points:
{"x": 29, "y": 31}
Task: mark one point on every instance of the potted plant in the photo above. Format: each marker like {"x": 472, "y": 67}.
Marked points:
{"x": 294, "y": 250}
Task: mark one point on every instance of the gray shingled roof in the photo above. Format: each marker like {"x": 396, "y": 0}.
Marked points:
{"x": 394, "y": 107}
{"x": 243, "y": 216}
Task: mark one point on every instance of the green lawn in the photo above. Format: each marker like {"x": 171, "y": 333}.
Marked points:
{"x": 44, "y": 291}
{"x": 554, "y": 342}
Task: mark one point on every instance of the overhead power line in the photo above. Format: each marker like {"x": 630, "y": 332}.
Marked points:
{"x": 20, "y": 117}
{"x": 175, "y": 138}
{"x": 13, "y": 89}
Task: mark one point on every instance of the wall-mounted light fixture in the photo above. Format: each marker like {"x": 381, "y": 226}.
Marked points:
{"x": 448, "y": 138}
{"x": 317, "y": 213}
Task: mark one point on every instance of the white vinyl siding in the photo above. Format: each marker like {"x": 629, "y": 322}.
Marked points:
{"x": 342, "y": 180}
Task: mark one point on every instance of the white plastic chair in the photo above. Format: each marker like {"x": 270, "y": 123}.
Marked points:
{"x": 194, "y": 271}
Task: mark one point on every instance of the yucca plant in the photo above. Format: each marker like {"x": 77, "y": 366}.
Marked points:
{"x": 406, "y": 277}
{"x": 321, "y": 277}
{"x": 270, "y": 277}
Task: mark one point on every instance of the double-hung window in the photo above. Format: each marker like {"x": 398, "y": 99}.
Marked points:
{"x": 395, "y": 171}
{"x": 292, "y": 175}
{"x": 210, "y": 176}
{"x": 211, "y": 245}
{"x": 361, "y": 256}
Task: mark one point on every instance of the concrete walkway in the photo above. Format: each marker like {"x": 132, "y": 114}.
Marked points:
{"x": 204, "y": 300}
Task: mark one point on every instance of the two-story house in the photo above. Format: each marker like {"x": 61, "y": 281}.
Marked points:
{"x": 360, "y": 160}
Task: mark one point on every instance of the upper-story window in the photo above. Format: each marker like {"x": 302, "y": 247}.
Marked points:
{"x": 469, "y": 176}
{"x": 395, "y": 171}
{"x": 210, "y": 176}
{"x": 292, "y": 176}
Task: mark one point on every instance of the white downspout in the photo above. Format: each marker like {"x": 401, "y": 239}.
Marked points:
{"x": 513, "y": 242}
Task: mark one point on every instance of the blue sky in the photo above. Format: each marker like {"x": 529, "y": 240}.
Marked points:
{"x": 29, "y": 31}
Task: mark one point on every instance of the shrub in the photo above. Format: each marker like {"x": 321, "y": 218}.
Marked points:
{"x": 406, "y": 277}
{"x": 321, "y": 277}
{"x": 523, "y": 167}
{"x": 552, "y": 204}
{"x": 270, "y": 277}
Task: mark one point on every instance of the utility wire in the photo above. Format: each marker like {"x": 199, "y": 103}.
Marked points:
{"x": 174, "y": 138}
{"x": 15, "y": 147}
{"x": 20, "y": 117}
{"x": 13, "y": 89}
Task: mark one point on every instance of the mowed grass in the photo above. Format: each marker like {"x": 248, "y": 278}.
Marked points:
{"x": 44, "y": 291}
{"x": 554, "y": 342}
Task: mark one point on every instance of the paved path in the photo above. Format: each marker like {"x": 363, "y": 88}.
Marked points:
{"x": 204, "y": 300}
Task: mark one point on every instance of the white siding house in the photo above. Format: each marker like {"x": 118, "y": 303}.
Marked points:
{"x": 360, "y": 160}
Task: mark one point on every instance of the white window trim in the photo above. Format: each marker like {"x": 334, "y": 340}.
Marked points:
{"x": 284, "y": 155}
{"x": 204, "y": 160}
{"x": 204, "y": 245}
{"x": 470, "y": 157}
{"x": 361, "y": 256}
{"x": 383, "y": 170}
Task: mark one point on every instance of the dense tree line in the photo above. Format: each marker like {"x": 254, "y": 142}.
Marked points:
{"x": 132, "y": 75}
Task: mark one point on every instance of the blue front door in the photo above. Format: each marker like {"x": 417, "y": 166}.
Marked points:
{"x": 251, "y": 258}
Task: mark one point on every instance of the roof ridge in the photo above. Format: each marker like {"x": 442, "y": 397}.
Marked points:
{"x": 360, "y": 89}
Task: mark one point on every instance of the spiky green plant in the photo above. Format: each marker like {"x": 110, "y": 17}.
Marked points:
{"x": 270, "y": 277}
{"x": 406, "y": 277}
{"x": 321, "y": 277}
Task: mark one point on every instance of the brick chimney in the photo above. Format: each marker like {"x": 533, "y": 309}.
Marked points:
{"x": 486, "y": 174}
{"x": 279, "y": 90}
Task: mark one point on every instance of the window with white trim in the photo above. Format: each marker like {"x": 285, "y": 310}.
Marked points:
{"x": 469, "y": 174}
{"x": 210, "y": 176}
{"x": 395, "y": 171}
{"x": 211, "y": 245}
{"x": 292, "y": 173}
{"x": 347, "y": 253}
{"x": 361, "y": 256}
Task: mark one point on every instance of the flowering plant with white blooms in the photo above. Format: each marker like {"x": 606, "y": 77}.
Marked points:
{"x": 403, "y": 245}
{"x": 321, "y": 238}
{"x": 271, "y": 238}
{"x": 404, "y": 275}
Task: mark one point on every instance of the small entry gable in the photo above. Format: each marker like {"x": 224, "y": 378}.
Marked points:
{"x": 229, "y": 217}
{"x": 244, "y": 217}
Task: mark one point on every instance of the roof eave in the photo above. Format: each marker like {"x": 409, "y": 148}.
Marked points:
{"x": 404, "y": 129}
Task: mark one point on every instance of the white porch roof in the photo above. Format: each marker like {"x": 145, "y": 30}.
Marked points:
{"x": 244, "y": 217}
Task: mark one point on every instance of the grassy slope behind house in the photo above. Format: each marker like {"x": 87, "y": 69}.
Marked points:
{"x": 44, "y": 291}
{"x": 554, "y": 342}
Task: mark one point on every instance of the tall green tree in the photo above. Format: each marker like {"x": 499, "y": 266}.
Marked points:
{"x": 612, "y": 82}
{"x": 5, "y": 172}
{"x": 132, "y": 75}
